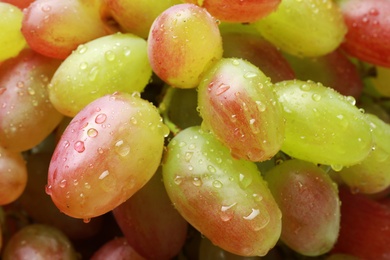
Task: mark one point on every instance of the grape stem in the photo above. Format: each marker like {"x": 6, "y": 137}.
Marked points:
{"x": 164, "y": 110}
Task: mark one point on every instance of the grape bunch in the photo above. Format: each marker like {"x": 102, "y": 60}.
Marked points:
{"x": 182, "y": 129}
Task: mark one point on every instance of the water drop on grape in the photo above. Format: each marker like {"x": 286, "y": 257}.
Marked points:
{"x": 92, "y": 132}
{"x": 109, "y": 55}
{"x": 79, "y": 146}
{"x": 197, "y": 181}
{"x": 122, "y": 148}
{"x": 104, "y": 175}
{"x": 100, "y": 119}
{"x": 62, "y": 183}
{"x": 217, "y": 184}
{"x": 178, "y": 180}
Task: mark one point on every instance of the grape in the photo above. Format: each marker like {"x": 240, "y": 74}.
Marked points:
{"x": 179, "y": 47}
{"x": 307, "y": 28}
{"x": 137, "y": 16}
{"x": 116, "y": 62}
{"x": 225, "y": 199}
{"x": 11, "y": 39}
{"x": 322, "y": 126}
{"x": 27, "y": 116}
{"x": 39, "y": 242}
{"x": 55, "y": 28}
{"x": 238, "y": 104}
{"x": 334, "y": 70}
{"x": 310, "y": 206}
{"x": 117, "y": 248}
{"x": 255, "y": 49}
{"x": 41, "y": 209}
{"x": 19, "y": 3}
{"x": 238, "y": 11}
{"x": 109, "y": 151}
{"x": 364, "y": 231}
{"x": 372, "y": 174}
{"x": 141, "y": 221}
{"x": 381, "y": 80}
{"x": 13, "y": 174}
{"x": 368, "y": 30}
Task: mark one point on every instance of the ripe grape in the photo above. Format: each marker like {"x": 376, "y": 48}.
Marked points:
{"x": 11, "y": 39}
{"x": 55, "y": 28}
{"x": 38, "y": 241}
{"x": 322, "y": 126}
{"x": 238, "y": 11}
{"x": 368, "y": 30}
{"x": 238, "y": 104}
{"x": 252, "y": 47}
{"x": 310, "y": 206}
{"x": 334, "y": 70}
{"x": 27, "y": 116}
{"x": 307, "y": 28}
{"x": 109, "y": 151}
{"x": 117, "y": 248}
{"x": 117, "y": 62}
{"x": 179, "y": 46}
{"x": 13, "y": 175}
{"x": 141, "y": 221}
{"x": 137, "y": 16}
{"x": 225, "y": 199}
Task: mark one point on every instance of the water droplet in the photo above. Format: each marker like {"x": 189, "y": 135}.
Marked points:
{"x": 211, "y": 169}
{"x": 222, "y": 88}
{"x": 62, "y": 183}
{"x": 197, "y": 181}
{"x": 87, "y": 185}
{"x": 226, "y": 213}
{"x": 257, "y": 197}
{"x": 104, "y": 174}
{"x": 250, "y": 75}
{"x": 316, "y": 97}
{"x": 92, "y": 132}
{"x": 20, "y": 84}
{"x": 252, "y": 215}
{"x": 48, "y": 189}
{"x": 82, "y": 48}
{"x": 188, "y": 156}
{"x": 235, "y": 62}
{"x": 93, "y": 73}
{"x": 101, "y": 118}
{"x": 79, "y": 146}
{"x": 46, "y": 8}
{"x": 191, "y": 146}
{"x": 86, "y": 220}
{"x": 66, "y": 144}
{"x": 182, "y": 144}
{"x": 83, "y": 65}
{"x": 351, "y": 100}
{"x": 100, "y": 150}
{"x": 109, "y": 55}
{"x": 217, "y": 184}
{"x": 122, "y": 148}
{"x": 245, "y": 180}
{"x": 178, "y": 180}
{"x": 305, "y": 87}
{"x": 336, "y": 167}
{"x": 133, "y": 120}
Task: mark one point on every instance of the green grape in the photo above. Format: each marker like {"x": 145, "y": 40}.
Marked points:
{"x": 323, "y": 126}
{"x": 183, "y": 42}
{"x": 308, "y": 199}
{"x": 11, "y": 38}
{"x": 372, "y": 174}
{"x": 117, "y": 62}
{"x": 381, "y": 80}
{"x": 304, "y": 28}
{"x": 225, "y": 199}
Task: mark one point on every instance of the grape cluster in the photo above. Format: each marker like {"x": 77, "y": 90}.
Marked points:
{"x": 183, "y": 129}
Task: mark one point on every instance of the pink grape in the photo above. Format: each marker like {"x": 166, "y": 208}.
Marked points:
{"x": 225, "y": 199}
{"x": 179, "y": 46}
{"x": 238, "y": 11}
{"x": 55, "y": 28}
{"x": 26, "y": 114}
{"x": 238, "y": 104}
{"x": 109, "y": 151}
